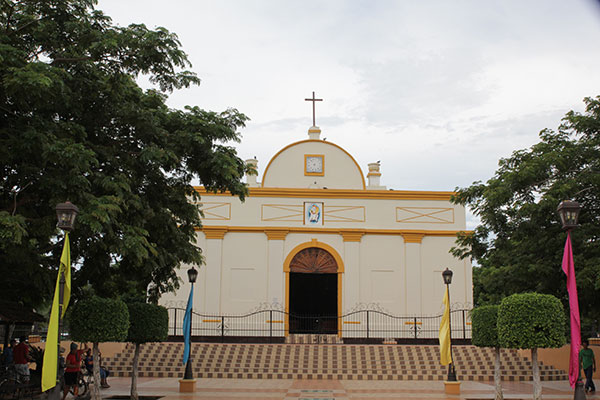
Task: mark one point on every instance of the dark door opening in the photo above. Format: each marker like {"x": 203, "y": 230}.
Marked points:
{"x": 313, "y": 303}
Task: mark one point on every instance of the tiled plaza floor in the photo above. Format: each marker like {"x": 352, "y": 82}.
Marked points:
{"x": 282, "y": 389}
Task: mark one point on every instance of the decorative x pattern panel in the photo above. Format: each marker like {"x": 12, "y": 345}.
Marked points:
{"x": 428, "y": 215}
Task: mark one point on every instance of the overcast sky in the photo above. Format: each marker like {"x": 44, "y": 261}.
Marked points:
{"x": 438, "y": 91}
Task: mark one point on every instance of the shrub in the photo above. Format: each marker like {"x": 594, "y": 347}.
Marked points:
{"x": 147, "y": 323}
{"x": 98, "y": 320}
{"x": 484, "y": 326}
{"x": 531, "y": 320}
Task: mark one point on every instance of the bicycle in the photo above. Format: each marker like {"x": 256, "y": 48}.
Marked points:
{"x": 14, "y": 385}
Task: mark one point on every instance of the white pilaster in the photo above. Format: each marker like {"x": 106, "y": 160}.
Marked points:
{"x": 351, "y": 278}
{"x": 213, "y": 254}
{"x": 412, "y": 281}
{"x": 275, "y": 275}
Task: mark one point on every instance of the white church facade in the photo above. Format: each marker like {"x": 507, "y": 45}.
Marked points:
{"x": 315, "y": 237}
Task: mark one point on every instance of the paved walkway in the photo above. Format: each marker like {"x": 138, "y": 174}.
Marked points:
{"x": 294, "y": 389}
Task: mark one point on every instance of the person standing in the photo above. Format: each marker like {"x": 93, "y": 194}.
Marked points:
{"x": 8, "y": 353}
{"x": 72, "y": 369}
{"x": 587, "y": 362}
{"x": 21, "y": 359}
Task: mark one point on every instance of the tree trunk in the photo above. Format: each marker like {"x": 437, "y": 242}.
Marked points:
{"x": 95, "y": 389}
{"x": 537, "y": 386}
{"x": 134, "y": 373}
{"x": 498, "y": 375}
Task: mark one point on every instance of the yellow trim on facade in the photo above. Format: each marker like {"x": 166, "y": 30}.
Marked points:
{"x": 313, "y": 243}
{"x": 294, "y": 213}
{"x": 339, "y": 311}
{"x": 410, "y": 235}
{"x": 352, "y": 322}
{"x": 431, "y": 213}
{"x": 210, "y": 212}
{"x": 374, "y": 174}
{"x": 352, "y": 236}
{"x": 334, "y": 211}
{"x": 311, "y": 141}
{"x": 286, "y": 270}
{"x": 215, "y": 232}
{"x": 276, "y": 234}
{"x": 322, "y": 157}
{"x": 338, "y": 193}
{"x": 286, "y": 328}
{"x": 413, "y": 237}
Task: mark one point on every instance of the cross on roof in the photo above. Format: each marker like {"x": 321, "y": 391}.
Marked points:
{"x": 313, "y": 99}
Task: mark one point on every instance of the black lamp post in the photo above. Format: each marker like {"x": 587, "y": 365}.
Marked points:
{"x": 568, "y": 211}
{"x": 66, "y": 214}
{"x": 447, "y": 275}
{"x": 192, "y": 275}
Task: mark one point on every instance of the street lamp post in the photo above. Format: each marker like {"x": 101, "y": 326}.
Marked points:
{"x": 192, "y": 275}
{"x": 568, "y": 211}
{"x": 447, "y": 275}
{"x": 66, "y": 214}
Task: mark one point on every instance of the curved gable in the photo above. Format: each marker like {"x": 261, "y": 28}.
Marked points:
{"x": 287, "y": 168}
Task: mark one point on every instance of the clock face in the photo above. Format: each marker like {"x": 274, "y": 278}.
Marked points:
{"x": 314, "y": 164}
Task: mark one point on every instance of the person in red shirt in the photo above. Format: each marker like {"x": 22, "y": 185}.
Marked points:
{"x": 21, "y": 359}
{"x": 72, "y": 368}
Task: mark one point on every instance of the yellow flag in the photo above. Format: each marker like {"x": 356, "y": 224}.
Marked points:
{"x": 65, "y": 264}
{"x": 50, "y": 365}
{"x": 445, "y": 355}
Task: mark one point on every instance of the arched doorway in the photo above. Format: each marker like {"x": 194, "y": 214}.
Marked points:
{"x": 313, "y": 289}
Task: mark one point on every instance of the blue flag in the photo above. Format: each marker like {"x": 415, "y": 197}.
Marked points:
{"x": 187, "y": 320}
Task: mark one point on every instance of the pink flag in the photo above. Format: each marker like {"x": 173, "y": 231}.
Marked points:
{"x": 569, "y": 268}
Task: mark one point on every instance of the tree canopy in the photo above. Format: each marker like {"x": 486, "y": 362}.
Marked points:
{"x": 484, "y": 326}
{"x": 76, "y": 126}
{"x": 147, "y": 323}
{"x": 519, "y": 243}
{"x": 98, "y": 320}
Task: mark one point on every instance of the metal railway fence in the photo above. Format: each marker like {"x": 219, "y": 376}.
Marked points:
{"x": 363, "y": 324}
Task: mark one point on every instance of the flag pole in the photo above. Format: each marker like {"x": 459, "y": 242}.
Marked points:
{"x": 568, "y": 211}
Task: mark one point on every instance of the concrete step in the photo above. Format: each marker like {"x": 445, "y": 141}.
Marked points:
{"x": 310, "y": 361}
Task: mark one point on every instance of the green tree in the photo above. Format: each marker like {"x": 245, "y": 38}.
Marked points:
{"x": 98, "y": 320}
{"x": 484, "y": 321}
{"x": 75, "y": 125}
{"x": 530, "y": 321}
{"x": 519, "y": 243}
{"x": 147, "y": 323}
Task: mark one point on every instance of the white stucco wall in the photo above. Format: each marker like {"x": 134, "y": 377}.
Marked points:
{"x": 286, "y": 168}
{"x": 393, "y": 244}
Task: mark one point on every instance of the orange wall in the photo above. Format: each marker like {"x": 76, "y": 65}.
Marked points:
{"x": 107, "y": 349}
{"x": 559, "y": 358}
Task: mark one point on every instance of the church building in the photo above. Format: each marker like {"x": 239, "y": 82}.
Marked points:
{"x": 317, "y": 237}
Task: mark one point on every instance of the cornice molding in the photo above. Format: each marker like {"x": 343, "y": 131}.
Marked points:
{"x": 276, "y": 234}
{"x": 352, "y": 236}
{"x": 338, "y": 193}
{"x": 214, "y": 232}
{"x": 413, "y": 237}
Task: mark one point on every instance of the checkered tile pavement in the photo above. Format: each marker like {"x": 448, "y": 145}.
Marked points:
{"x": 324, "y": 361}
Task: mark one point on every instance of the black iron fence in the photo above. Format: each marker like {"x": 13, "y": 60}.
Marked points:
{"x": 364, "y": 324}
